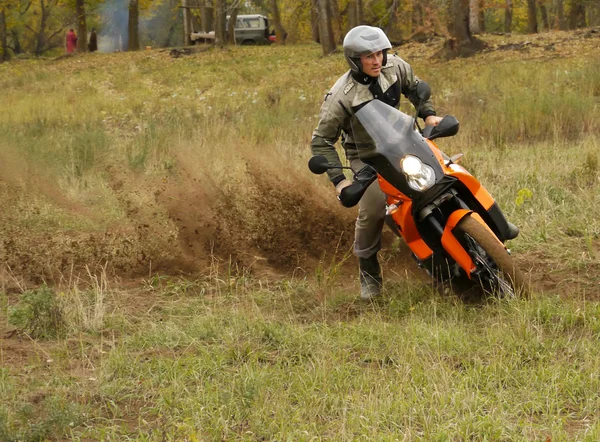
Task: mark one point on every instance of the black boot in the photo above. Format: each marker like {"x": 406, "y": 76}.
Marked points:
{"x": 370, "y": 277}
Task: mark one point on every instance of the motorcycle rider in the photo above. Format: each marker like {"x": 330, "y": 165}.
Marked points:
{"x": 373, "y": 74}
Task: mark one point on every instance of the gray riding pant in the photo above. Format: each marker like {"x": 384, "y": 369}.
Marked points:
{"x": 371, "y": 215}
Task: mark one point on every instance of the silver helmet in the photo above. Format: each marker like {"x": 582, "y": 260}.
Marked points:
{"x": 364, "y": 40}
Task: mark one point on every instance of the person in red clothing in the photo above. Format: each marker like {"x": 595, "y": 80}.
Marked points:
{"x": 71, "y": 41}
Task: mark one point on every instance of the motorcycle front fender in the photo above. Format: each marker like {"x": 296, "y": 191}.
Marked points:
{"x": 451, "y": 244}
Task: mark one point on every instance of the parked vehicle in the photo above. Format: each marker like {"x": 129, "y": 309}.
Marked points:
{"x": 251, "y": 29}
{"x": 450, "y": 222}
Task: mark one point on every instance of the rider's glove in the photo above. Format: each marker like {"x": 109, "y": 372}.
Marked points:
{"x": 342, "y": 184}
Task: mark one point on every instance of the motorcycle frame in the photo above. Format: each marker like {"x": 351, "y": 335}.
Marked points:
{"x": 404, "y": 217}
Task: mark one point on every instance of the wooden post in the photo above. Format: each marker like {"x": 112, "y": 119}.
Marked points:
{"x": 187, "y": 24}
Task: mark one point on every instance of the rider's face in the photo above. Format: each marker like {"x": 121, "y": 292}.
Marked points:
{"x": 371, "y": 63}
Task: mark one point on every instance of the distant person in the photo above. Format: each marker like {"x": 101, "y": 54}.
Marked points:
{"x": 93, "y": 44}
{"x": 71, "y": 41}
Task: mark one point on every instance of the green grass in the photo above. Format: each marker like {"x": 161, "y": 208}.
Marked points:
{"x": 272, "y": 361}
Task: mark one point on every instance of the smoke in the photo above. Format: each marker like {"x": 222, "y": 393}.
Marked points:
{"x": 113, "y": 35}
{"x": 159, "y": 26}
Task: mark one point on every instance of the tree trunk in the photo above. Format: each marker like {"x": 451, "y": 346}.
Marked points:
{"x": 314, "y": 21}
{"x": 360, "y": 13}
{"x": 352, "y": 14}
{"x": 461, "y": 43}
{"x": 577, "y": 15}
{"x": 82, "y": 41}
{"x": 41, "y": 36}
{"x": 532, "y": 27}
{"x": 336, "y": 17}
{"x": 133, "y": 39}
{"x": 280, "y": 32}
{"x": 508, "y": 15}
{"x": 187, "y": 23}
{"x": 417, "y": 18}
{"x": 220, "y": 20}
{"x": 482, "y": 15}
{"x": 458, "y": 26}
{"x": 475, "y": 23}
{"x": 207, "y": 17}
{"x": 5, "y": 55}
{"x": 231, "y": 27}
{"x": 391, "y": 28}
{"x": 560, "y": 15}
{"x": 545, "y": 20}
{"x": 16, "y": 41}
{"x": 594, "y": 16}
{"x": 325, "y": 29}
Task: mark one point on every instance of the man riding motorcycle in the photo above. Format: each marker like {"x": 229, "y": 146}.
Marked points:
{"x": 373, "y": 74}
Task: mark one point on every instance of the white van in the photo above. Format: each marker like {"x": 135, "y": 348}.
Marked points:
{"x": 249, "y": 29}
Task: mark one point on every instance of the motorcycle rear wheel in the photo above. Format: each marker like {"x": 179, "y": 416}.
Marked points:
{"x": 497, "y": 271}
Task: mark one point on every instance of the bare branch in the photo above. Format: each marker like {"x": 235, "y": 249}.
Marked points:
{"x": 30, "y": 28}
{"x": 26, "y": 8}
{"x": 233, "y": 6}
{"x": 56, "y": 33}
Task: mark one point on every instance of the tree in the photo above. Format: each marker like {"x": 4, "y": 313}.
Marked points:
{"x": 476, "y": 18}
{"x": 458, "y": 25}
{"x": 560, "y": 14}
{"x": 532, "y": 27}
{"x": 4, "y": 54}
{"x": 43, "y": 41}
{"x": 355, "y": 13}
{"x": 280, "y": 33}
{"x": 133, "y": 40}
{"x": 207, "y": 17}
{"x": 508, "y": 14}
{"x": 545, "y": 19}
{"x": 325, "y": 29}
{"x": 461, "y": 43}
{"x": 314, "y": 21}
{"x": 81, "y": 26}
{"x": 187, "y": 23}
{"x": 220, "y": 20}
{"x": 417, "y": 18}
{"x": 360, "y": 12}
{"x": 577, "y": 14}
{"x": 231, "y": 25}
{"x": 391, "y": 28}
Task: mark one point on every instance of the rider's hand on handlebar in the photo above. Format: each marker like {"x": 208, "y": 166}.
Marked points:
{"x": 341, "y": 185}
{"x": 432, "y": 120}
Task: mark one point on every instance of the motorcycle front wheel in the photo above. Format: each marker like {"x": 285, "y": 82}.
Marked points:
{"x": 496, "y": 270}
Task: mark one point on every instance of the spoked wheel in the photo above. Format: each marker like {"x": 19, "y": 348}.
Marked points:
{"x": 496, "y": 270}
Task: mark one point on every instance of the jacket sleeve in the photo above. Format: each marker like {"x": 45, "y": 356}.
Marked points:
{"x": 409, "y": 89}
{"x": 327, "y": 133}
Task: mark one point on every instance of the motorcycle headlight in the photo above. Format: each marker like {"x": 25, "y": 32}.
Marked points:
{"x": 420, "y": 176}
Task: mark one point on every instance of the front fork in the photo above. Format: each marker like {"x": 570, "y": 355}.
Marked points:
{"x": 449, "y": 245}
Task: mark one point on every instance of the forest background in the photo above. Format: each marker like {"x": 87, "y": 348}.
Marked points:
{"x": 39, "y": 26}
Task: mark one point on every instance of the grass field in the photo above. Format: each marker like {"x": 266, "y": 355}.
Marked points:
{"x": 172, "y": 271}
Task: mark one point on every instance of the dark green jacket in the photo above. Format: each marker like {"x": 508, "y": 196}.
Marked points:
{"x": 346, "y": 96}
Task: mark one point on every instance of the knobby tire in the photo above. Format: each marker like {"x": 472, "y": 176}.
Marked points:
{"x": 496, "y": 252}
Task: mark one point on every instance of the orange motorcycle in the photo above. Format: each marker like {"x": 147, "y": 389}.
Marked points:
{"x": 449, "y": 221}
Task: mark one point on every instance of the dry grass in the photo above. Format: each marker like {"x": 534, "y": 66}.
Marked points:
{"x": 119, "y": 172}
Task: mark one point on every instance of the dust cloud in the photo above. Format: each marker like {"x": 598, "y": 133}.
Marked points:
{"x": 259, "y": 218}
